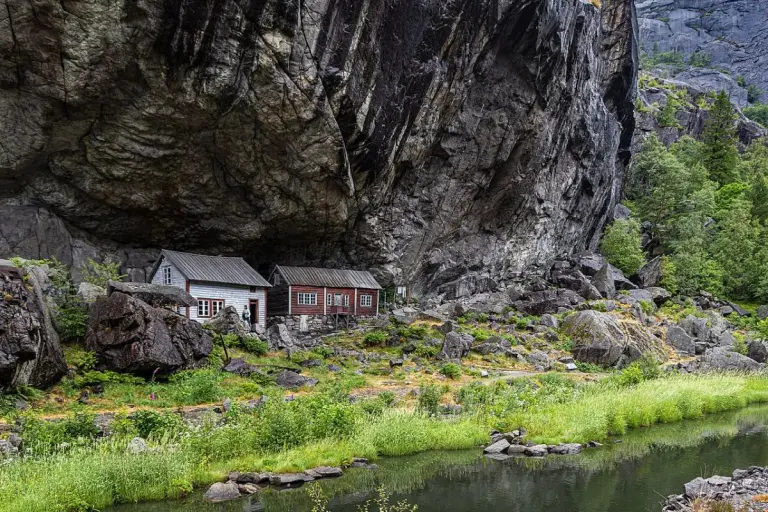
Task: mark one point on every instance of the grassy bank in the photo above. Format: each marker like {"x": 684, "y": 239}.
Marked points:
{"x": 612, "y": 409}
{"x": 327, "y": 430}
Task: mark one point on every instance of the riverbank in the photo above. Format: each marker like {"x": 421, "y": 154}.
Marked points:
{"x": 326, "y": 430}
{"x": 746, "y": 490}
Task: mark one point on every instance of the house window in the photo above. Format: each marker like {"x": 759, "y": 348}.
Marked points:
{"x": 346, "y": 300}
{"x": 307, "y": 299}
{"x": 166, "y": 275}
{"x": 329, "y": 300}
{"x": 204, "y": 308}
{"x": 216, "y": 306}
{"x": 402, "y": 291}
{"x": 252, "y": 289}
{"x": 366, "y": 301}
{"x": 276, "y": 279}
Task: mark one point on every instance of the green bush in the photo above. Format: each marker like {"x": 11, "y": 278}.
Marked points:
{"x": 375, "y": 338}
{"x": 631, "y": 375}
{"x": 621, "y": 245}
{"x": 481, "y": 334}
{"x": 254, "y": 345}
{"x": 82, "y": 360}
{"x": 427, "y": 351}
{"x": 647, "y": 306}
{"x": 758, "y": 113}
{"x": 451, "y": 370}
{"x": 429, "y": 399}
{"x": 150, "y": 423}
{"x": 99, "y": 274}
{"x": 197, "y": 386}
{"x": 71, "y": 318}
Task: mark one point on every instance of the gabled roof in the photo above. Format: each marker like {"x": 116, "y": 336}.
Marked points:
{"x": 213, "y": 269}
{"x": 328, "y": 277}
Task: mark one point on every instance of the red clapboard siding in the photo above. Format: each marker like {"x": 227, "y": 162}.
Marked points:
{"x": 297, "y": 309}
{"x": 365, "y": 311}
{"x": 319, "y": 309}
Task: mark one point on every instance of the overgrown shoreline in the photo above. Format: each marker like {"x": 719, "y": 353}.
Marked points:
{"x": 279, "y": 437}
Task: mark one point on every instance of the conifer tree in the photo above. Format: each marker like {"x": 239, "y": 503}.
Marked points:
{"x": 721, "y": 156}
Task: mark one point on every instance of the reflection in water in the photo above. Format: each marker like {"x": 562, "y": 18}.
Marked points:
{"x": 632, "y": 476}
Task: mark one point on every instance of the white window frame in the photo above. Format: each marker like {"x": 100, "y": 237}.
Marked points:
{"x": 167, "y": 276}
{"x": 346, "y": 300}
{"x": 366, "y": 301}
{"x": 306, "y": 299}
{"x": 214, "y": 303}
{"x": 203, "y": 308}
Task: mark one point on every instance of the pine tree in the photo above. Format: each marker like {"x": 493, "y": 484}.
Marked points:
{"x": 721, "y": 156}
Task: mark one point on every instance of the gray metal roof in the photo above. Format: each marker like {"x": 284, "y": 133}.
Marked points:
{"x": 328, "y": 277}
{"x": 214, "y": 269}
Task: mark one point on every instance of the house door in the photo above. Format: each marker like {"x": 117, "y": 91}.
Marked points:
{"x": 253, "y": 307}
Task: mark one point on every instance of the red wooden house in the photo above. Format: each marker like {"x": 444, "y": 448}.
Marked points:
{"x": 322, "y": 292}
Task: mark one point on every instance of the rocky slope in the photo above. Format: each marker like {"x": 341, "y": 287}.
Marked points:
{"x": 732, "y": 34}
{"x": 429, "y": 140}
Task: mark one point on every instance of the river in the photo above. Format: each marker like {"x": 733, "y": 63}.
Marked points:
{"x": 632, "y": 474}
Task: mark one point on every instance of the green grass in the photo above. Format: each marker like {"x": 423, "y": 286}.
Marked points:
{"x": 608, "y": 409}
{"x": 103, "y": 474}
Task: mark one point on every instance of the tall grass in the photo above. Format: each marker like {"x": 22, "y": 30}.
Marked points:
{"x": 320, "y": 430}
{"x": 610, "y": 409}
{"x": 104, "y": 474}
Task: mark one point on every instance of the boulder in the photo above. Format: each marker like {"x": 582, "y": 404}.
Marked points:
{"x": 649, "y": 274}
{"x": 539, "y": 450}
{"x": 499, "y": 446}
{"x": 292, "y": 380}
{"x": 566, "y": 449}
{"x": 239, "y": 366}
{"x": 30, "y": 351}
{"x": 156, "y": 295}
{"x": 455, "y": 346}
{"x": 280, "y": 337}
{"x": 447, "y": 327}
{"x": 721, "y": 358}
{"x": 678, "y": 338}
{"x": 603, "y": 281}
{"x": 762, "y": 312}
{"x": 324, "y": 472}
{"x": 621, "y": 212}
{"x": 659, "y": 295}
{"x": 129, "y": 335}
{"x": 88, "y": 292}
{"x": 589, "y": 263}
{"x": 758, "y": 351}
{"x": 696, "y": 487}
{"x": 619, "y": 281}
{"x": 548, "y": 320}
{"x": 549, "y": 301}
{"x": 726, "y": 339}
{"x": 220, "y": 492}
{"x": 578, "y": 282}
{"x": 8, "y": 450}
{"x": 406, "y": 315}
{"x": 695, "y": 327}
{"x": 228, "y": 321}
{"x": 604, "y": 339}
{"x": 290, "y": 479}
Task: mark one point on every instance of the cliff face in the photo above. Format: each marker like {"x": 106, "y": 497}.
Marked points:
{"x": 732, "y": 34}
{"x": 430, "y": 140}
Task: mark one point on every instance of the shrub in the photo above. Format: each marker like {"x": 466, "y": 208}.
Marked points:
{"x": 71, "y": 318}
{"x": 482, "y": 318}
{"x": 621, "y": 245}
{"x": 375, "y": 338}
{"x": 99, "y": 274}
{"x": 631, "y": 375}
{"x": 254, "y": 345}
{"x": 427, "y": 351}
{"x": 740, "y": 343}
{"x": 44, "y": 437}
{"x": 149, "y": 423}
{"x": 481, "y": 334}
{"x": 429, "y": 399}
{"x": 81, "y": 359}
{"x": 197, "y": 386}
{"x": 451, "y": 370}
{"x": 647, "y": 307}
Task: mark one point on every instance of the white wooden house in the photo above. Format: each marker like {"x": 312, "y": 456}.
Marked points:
{"x": 216, "y": 282}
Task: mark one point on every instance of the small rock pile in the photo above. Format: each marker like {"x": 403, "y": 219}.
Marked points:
{"x": 245, "y": 484}
{"x": 746, "y": 490}
{"x": 513, "y": 444}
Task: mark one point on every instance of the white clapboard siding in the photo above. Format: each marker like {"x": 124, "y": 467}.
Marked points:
{"x": 177, "y": 278}
{"x": 233, "y": 295}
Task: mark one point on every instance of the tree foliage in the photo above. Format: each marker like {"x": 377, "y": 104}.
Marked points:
{"x": 719, "y": 137}
{"x": 621, "y": 245}
{"x": 707, "y": 205}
